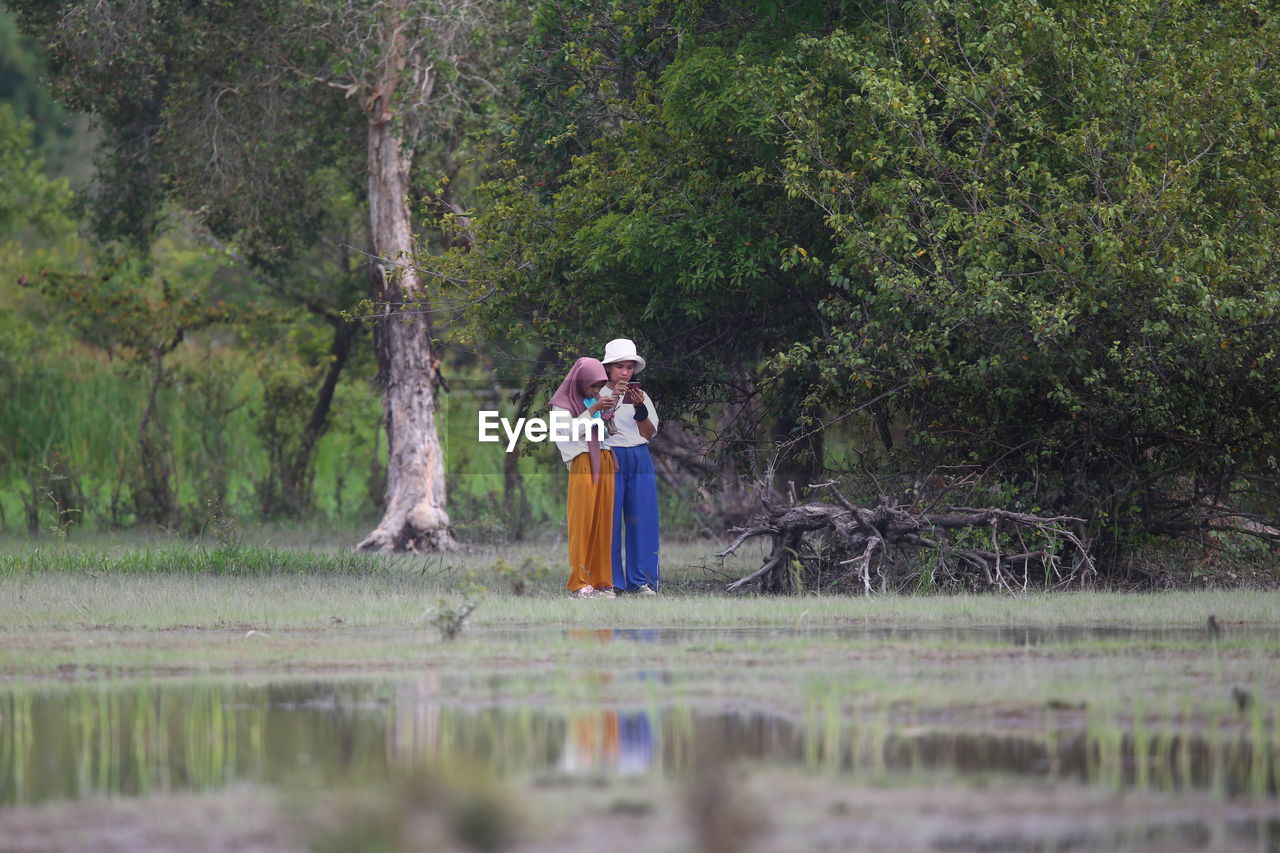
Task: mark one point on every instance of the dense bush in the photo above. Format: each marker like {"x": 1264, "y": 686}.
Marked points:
{"x": 1029, "y": 249}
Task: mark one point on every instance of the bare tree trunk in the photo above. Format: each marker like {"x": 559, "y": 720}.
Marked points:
{"x": 289, "y": 489}
{"x": 154, "y": 495}
{"x": 414, "y": 516}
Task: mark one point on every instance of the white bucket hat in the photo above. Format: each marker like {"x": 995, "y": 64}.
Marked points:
{"x": 621, "y": 349}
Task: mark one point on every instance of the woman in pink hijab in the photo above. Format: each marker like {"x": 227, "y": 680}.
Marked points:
{"x": 591, "y": 470}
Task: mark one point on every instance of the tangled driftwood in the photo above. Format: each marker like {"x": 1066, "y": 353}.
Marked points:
{"x": 874, "y": 536}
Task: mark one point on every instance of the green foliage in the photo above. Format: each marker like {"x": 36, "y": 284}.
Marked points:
{"x": 185, "y": 560}
{"x": 67, "y": 410}
{"x": 223, "y": 527}
{"x": 55, "y": 132}
{"x": 251, "y": 121}
{"x": 532, "y": 573}
{"x": 290, "y": 358}
{"x": 129, "y": 313}
{"x": 88, "y": 361}
{"x": 449, "y": 617}
{"x": 28, "y": 198}
{"x": 138, "y": 319}
{"x": 1062, "y": 273}
{"x": 1040, "y": 273}
{"x": 632, "y": 199}
{"x": 128, "y": 70}
{"x": 253, "y": 116}
{"x": 270, "y": 179}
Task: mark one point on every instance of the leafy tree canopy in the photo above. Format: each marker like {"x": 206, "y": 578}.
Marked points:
{"x": 28, "y": 197}
{"x": 1037, "y": 242}
{"x": 21, "y": 87}
{"x": 198, "y": 104}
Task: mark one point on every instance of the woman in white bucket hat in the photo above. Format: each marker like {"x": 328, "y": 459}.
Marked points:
{"x": 635, "y": 491}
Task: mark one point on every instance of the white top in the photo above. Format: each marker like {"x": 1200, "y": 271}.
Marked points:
{"x": 568, "y": 448}
{"x": 624, "y": 418}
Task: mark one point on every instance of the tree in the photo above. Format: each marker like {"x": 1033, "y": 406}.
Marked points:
{"x": 55, "y": 132}
{"x": 1061, "y": 272}
{"x": 244, "y": 111}
{"x": 32, "y": 205}
{"x": 162, "y": 88}
{"x": 1022, "y": 268}
{"x": 396, "y": 76}
{"x": 28, "y": 197}
{"x": 138, "y": 319}
{"x": 628, "y": 201}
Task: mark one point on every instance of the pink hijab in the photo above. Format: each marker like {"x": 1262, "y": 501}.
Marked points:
{"x": 584, "y": 373}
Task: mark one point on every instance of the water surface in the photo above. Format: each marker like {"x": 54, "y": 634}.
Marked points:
{"x": 997, "y": 635}
{"x": 99, "y": 739}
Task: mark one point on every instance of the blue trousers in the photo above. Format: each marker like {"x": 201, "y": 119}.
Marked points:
{"x": 635, "y": 519}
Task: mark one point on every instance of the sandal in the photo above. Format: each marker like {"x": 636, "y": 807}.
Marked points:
{"x": 584, "y": 592}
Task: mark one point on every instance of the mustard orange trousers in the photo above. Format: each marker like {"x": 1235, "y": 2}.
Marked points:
{"x": 591, "y": 522}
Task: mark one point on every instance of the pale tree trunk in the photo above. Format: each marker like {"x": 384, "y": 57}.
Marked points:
{"x": 414, "y": 516}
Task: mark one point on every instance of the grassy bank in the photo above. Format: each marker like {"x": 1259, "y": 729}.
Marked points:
{"x": 188, "y": 611}
{"x": 169, "y": 585}
{"x": 159, "y": 602}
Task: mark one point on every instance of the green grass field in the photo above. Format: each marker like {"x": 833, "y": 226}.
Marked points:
{"x": 101, "y": 585}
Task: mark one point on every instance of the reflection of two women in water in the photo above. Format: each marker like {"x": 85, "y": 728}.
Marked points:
{"x": 609, "y": 739}
{"x": 618, "y": 741}
{"x": 424, "y": 725}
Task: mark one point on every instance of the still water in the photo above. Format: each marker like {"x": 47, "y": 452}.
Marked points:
{"x": 103, "y": 739}
{"x": 994, "y": 635}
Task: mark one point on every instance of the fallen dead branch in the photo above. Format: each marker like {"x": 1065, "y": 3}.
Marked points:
{"x": 1019, "y": 550}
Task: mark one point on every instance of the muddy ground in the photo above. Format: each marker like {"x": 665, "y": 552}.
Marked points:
{"x": 770, "y": 811}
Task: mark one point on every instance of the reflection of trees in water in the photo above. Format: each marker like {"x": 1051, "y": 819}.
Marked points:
{"x": 125, "y": 741}
{"x": 518, "y": 740}
{"x": 133, "y": 740}
{"x": 414, "y": 731}
{"x": 504, "y": 740}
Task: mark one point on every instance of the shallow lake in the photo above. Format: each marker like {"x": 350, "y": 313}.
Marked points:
{"x": 998, "y": 635}
{"x": 99, "y": 738}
